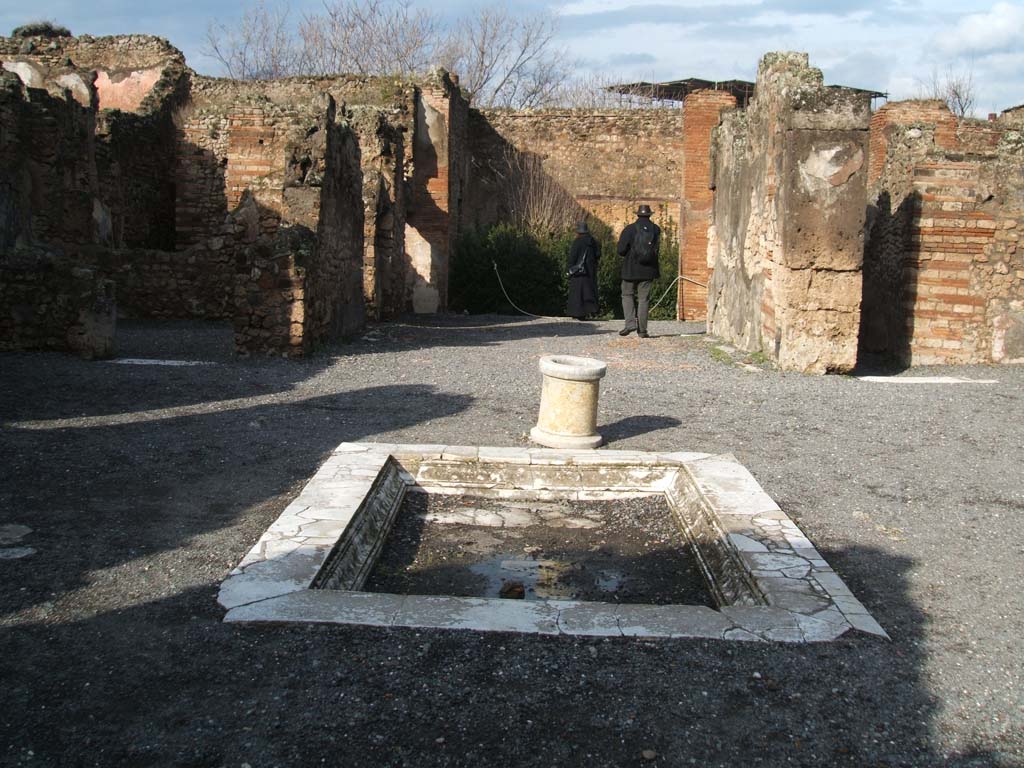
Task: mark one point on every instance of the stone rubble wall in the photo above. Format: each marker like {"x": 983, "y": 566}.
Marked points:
{"x": 49, "y": 191}
{"x": 608, "y": 161}
{"x": 943, "y": 274}
{"x": 385, "y": 265}
{"x": 787, "y": 235}
{"x": 190, "y": 284}
{"x": 50, "y": 304}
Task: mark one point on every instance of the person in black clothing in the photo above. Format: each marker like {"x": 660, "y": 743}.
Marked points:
{"x": 582, "y": 269}
{"x": 638, "y": 247}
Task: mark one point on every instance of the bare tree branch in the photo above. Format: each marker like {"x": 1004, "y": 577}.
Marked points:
{"x": 537, "y": 202}
{"x": 503, "y": 58}
{"x": 369, "y": 37}
{"x": 260, "y": 46}
{"x": 507, "y": 60}
{"x": 955, "y": 87}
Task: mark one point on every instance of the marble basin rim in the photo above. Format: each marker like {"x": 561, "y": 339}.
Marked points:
{"x": 768, "y": 580}
{"x": 573, "y": 367}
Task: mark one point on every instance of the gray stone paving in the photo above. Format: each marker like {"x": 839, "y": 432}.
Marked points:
{"x": 311, "y": 563}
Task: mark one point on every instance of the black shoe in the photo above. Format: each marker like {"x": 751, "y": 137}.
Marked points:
{"x": 626, "y": 331}
{"x": 643, "y": 334}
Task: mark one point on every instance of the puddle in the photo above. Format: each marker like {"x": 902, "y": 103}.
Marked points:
{"x": 541, "y": 579}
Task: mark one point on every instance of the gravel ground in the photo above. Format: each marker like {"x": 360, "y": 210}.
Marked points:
{"x": 143, "y": 485}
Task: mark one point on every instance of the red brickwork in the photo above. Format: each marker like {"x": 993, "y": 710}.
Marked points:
{"x": 943, "y": 278}
{"x": 945, "y": 312}
{"x": 932, "y": 113}
{"x": 702, "y": 111}
{"x": 252, "y": 152}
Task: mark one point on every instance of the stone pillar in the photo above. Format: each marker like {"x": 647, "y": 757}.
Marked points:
{"x": 787, "y": 234}
{"x": 568, "y": 402}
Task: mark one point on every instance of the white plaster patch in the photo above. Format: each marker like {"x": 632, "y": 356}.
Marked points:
{"x": 79, "y": 90}
{"x": 29, "y": 75}
{"x": 924, "y": 380}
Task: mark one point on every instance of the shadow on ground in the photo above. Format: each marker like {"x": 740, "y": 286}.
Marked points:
{"x": 164, "y": 682}
{"x": 101, "y": 498}
{"x": 113, "y": 652}
{"x": 634, "y": 426}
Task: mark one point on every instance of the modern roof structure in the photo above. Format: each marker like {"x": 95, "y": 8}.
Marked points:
{"x": 677, "y": 90}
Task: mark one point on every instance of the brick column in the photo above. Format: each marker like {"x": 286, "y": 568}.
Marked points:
{"x": 945, "y": 310}
{"x": 701, "y": 113}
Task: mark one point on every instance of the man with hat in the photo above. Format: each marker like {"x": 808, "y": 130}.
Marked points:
{"x": 638, "y": 247}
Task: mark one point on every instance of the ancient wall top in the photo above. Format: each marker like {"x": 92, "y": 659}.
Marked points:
{"x": 129, "y": 69}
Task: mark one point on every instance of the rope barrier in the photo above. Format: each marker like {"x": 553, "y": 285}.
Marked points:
{"x": 681, "y": 277}
{"x": 514, "y": 306}
{"x": 549, "y": 317}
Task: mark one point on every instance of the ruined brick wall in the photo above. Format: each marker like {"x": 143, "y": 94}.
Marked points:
{"x": 237, "y": 136}
{"x": 607, "y": 160}
{"x": 49, "y": 190}
{"x": 139, "y": 84}
{"x": 702, "y": 111}
{"x": 786, "y": 242}
{"x": 436, "y": 178}
{"x": 136, "y": 159}
{"x": 385, "y": 266}
{"x": 128, "y": 67}
{"x": 50, "y": 304}
{"x": 299, "y": 245}
{"x": 214, "y": 168}
{"x": 927, "y": 119}
{"x": 335, "y": 306}
{"x": 943, "y": 276}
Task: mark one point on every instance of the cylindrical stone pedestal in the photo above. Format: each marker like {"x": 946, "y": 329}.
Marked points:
{"x": 568, "y": 402}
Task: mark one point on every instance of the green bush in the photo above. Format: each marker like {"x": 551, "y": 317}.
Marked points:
{"x": 532, "y": 275}
{"x": 532, "y": 269}
{"x": 41, "y": 29}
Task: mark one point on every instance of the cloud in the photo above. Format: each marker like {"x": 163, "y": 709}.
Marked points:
{"x": 979, "y": 34}
{"x": 629, "y": 59}
{"x": 591, "y": 7}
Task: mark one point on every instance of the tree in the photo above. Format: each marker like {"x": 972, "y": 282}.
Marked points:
{"x": 503, "y": 59}
{"x": 369, "y": 37}
{"x": 955, "y": 87}
{"x": 260, "y": 46}
{"x": 507, "y": 60}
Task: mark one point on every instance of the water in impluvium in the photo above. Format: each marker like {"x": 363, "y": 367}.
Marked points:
{"x": 621, "y": 551}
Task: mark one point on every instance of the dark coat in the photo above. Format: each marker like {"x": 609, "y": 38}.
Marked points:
{"x": 582, "y": 300}
{"x": 631, "y": 270}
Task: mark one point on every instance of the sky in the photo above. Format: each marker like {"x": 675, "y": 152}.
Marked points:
{"x": 893, "y": 46}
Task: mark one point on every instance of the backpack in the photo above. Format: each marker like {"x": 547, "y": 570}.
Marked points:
{"x": 642, "y": 248}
